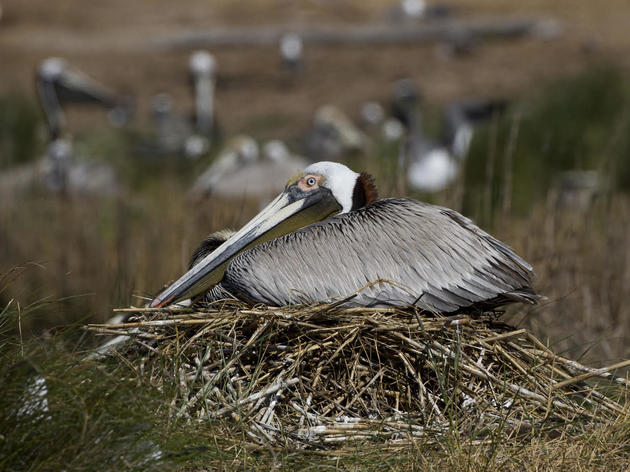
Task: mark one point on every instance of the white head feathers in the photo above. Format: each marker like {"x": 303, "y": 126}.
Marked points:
{"x": 339, "y": 179}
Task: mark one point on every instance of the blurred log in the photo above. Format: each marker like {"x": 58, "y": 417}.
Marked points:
{"x": 444, "y": 30}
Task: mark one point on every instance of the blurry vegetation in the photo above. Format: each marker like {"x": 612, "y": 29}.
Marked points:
{"x": 94, "y": 416}
{"x": 578, "y": 124}
{"x": 20, "y": 121}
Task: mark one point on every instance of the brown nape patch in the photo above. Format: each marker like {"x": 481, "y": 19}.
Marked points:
{"x": 364, "y": 191}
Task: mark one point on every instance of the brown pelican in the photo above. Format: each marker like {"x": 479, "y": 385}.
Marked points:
{"x": 429, "y": 165}
{"x": 63, "y": 173}
{"x": 327, "y": 237}
{"x": 171, "y": 129}
{"x": 333, "y": 135}
{"x": 58, "y": 83}
{"x": 291, "y": 49}
{"x": 433, "y": 165}
{"x": 178, "y": 134}
{"x": 416, "y": 10}
{"x": 238, "y": 171}
{"x": 60, "y": 170}
{"x": 203, "y": 70}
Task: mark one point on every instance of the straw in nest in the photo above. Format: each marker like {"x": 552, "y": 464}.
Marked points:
{"x": 322, "y": 374}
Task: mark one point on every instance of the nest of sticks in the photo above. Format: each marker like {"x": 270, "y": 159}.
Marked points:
{"x": 313, "y": 375}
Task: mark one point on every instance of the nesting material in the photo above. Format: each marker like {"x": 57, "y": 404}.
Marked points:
{"x": 324, "y": 374}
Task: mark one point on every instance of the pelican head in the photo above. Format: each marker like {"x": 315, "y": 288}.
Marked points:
{"x": 291, "y": 47}
{"x": 322, "y": 190}
{"x": 202, "y": 63}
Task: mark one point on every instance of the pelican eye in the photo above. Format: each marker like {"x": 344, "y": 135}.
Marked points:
{"x": 311, "y": 181}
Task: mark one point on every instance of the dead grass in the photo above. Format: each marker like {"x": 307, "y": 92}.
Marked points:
{"x": 121, "y": 412}
{"x": 316, "y": 375}
{"x": 582, "y": 262}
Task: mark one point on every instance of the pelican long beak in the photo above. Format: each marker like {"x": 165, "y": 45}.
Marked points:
{"x": 291, "y": 210}
{"x": 76, "y": 85}
{"x": 58, "y": 83}
{"x": 73, "y": 85}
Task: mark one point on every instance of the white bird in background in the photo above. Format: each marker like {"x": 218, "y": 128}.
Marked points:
{"x": 372, "y": 115}
{"x": 63, "y": 174}
{"x": 413, "y": 8}
{"x": 57, "y": 83}
{"x": 417, "y": 10}
{"x": 431, "y": 166}
{"x": 203, "y": 70}
{"x": 240, "y": 172}
{"x": 175, "y": 133}
{"x": 171, "y": 130}
{"x": 291, "y": 51}
{"x": 60, "y": 84}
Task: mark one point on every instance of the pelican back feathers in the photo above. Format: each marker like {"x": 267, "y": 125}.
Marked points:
{"x": 393, "y": 252}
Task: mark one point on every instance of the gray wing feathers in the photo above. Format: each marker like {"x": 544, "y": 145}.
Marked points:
{"x": 427, "y": 254}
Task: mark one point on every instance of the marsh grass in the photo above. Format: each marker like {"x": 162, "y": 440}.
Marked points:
{"x": 119, "y": 413}
{"x": 20, "y": 126}
{"x": 83, "y": 258}
{"x": 579, "y": 124}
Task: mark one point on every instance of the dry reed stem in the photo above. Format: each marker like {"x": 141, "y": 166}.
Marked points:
{"x": 314, "y": 375}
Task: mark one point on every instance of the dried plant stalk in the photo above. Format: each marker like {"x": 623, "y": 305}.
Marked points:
{"x": 314, "y": 375}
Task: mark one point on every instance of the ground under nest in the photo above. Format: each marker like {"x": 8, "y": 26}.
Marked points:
{"x": 323, "y": 374}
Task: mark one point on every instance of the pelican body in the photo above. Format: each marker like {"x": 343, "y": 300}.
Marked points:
{"x": 326, "y": 238}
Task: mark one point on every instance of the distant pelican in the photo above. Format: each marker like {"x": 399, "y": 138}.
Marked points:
{"x": 333, "y": 135}
{"x": 63, "y": 174}
{"x": 413, "y": 8}
{"x": 58, "y": 83}
{"x": 238, "y": 171}
{"x": 433, "y": 165}
{"x": 202, "y": 66}
{"x": 416, "y": 10}
{"x": 372, "y": 115}
{"x": 327, "y": 237}
{"x": 291, "y": 51}
{"x": 203, "y": 70}
{"x": 429, "y": 165}
{"x": 171, "y": 129}
{"x": 185, "y": 135}
{"x": 59, "y": 171}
